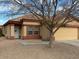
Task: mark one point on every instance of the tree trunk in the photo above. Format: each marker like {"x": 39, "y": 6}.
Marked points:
{"x": 51, "y": 40}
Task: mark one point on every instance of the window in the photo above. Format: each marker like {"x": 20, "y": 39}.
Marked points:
{"x": 33, "y": 30}
{"x": 29, "y": 32}
{"x": 36, "y": 32}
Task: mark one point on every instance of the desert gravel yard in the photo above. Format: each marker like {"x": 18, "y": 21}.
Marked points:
{"x": 12, "y": 49}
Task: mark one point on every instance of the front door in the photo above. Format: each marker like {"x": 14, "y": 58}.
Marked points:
{"x": 17, "y": 32}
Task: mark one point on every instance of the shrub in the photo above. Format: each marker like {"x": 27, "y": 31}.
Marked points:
{"x": 1, "y": 34}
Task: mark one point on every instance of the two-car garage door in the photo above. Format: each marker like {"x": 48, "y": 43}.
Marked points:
{"x": 67, "y": 34}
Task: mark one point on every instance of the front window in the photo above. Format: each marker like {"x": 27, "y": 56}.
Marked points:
{"x": 33, "y": 30}
{"x": 29, "y": 32}
{"x": 36, "y": 32}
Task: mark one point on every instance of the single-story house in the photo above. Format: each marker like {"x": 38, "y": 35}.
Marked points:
{"x": 26, "y": 27}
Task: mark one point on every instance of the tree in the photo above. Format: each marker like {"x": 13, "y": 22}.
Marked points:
{"x": 47, "y": 11}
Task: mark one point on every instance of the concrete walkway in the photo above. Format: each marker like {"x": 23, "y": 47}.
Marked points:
{"x": 33, "y": 42}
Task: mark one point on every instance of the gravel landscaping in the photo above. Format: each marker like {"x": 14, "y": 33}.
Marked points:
{"x": 12, "y": 49}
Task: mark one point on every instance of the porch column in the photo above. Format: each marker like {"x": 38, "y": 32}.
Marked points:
{"x": 12, "y": 31}
{"x": 24, "y": 32}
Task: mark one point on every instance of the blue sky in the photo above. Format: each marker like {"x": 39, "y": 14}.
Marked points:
{"x": 4, "y": 9}
{"x": 7, "y": 7}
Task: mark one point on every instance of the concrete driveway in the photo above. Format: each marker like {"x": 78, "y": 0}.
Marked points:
{"x": 71, "y": 42}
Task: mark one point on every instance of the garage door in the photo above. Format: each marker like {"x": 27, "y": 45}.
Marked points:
{"x": 66, "y": 34}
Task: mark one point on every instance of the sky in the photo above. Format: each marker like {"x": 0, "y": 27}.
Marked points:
{"x": 7, "y": 7}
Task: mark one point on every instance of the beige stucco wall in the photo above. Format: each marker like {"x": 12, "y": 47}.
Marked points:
{"x": 7, "y": 29}
{"x": 24, "y": 31}
{"x": 1, "y": 27}
{"x": 63, "y": 33}
{"x": 66, "y": 34}
{"x": 44, "y": 32}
